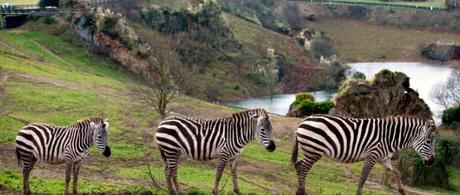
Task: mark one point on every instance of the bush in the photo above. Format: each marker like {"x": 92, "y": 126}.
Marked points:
{"x": 413, "y": 172}
{"x": 358, "y": 76}
{"x": 69, "y": 16}
{"x": 302, "y": 97}
{"x": 451, "y": 116}
{"x": 48, "y": 20}
{"x": 308, "y": 108}
{"x": 322, "y": 47}
{"x": 305, "y": 105}
{"x": 109, "y": 25}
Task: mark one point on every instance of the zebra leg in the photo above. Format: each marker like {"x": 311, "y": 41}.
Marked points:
{"x": 171, "y": 162}
{"x": 28, "y": 165}
{"x": 234, "y": 176}
{"x": 168, "y": 180}
{"x": 368, "y": 165}
{"x": 302, "y": 168}
{"x": 76, "y": 172}
{"x": 174, "y": 179}
{"x": 68, "y": 171}
{"x": 220, "y": 169}
{"x": 396, "y": 177}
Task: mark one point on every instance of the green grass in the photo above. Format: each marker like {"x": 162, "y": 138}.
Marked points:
{"x": 72, "y": 84}
{"x": 361, "y": 41}
{"x": 20, "y": 2}
{"x": 428, "y": 3}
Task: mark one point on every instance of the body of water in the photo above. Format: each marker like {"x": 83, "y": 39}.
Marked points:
{"x": 423, "y": 77}
{"x": 278, "y": 104}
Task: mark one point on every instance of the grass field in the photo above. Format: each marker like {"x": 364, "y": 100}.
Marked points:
{"x": 55, "y": 79}
{"x": 361, "y": 41}
{"x": 428, "y": 3}
{"x": 20, "y": 2}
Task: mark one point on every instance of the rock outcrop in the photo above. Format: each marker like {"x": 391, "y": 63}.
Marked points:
{"x": 441, "y": 52}
{"x": 388, "y": 93}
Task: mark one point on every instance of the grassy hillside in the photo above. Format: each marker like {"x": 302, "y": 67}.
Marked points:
{"x": 361, "y": 41}
{"x": 55, "y": 79}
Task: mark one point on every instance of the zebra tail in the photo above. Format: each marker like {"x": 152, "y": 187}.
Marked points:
{"x": 162, "y": 155}
{"x": 18, "y": 158}
{"x": 295, "y": 151}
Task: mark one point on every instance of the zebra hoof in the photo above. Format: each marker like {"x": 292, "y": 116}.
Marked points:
{"x": 300, "y": 192}
{"x": 237, "y": 192}
{"x": 402, "y": 192}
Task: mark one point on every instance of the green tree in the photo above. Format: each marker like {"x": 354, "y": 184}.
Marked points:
{"x": 44, "y": 3}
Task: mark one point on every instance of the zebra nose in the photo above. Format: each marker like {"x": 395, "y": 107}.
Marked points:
{"x": 107, "y": 151}
{"x": 271, "y": 146}
{"x": 430, "y": 161}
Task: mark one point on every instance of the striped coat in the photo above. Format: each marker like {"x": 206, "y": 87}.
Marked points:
{"x": 221, "y": 139}
{"x": 350, "y": 140}
{"x": 60, "y": 144}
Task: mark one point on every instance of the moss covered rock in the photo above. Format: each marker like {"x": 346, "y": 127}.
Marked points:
{"x": 388, "y": 93}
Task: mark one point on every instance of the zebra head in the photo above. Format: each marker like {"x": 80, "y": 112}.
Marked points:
{"x": 101, "y": 136}
{"x": 263, "y": 132}
{"x": 424, "y": 144}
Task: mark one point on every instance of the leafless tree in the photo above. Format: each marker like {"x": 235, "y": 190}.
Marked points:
{"x": 3, "y": 78}
{"x": 164, "y": 77}
{"x": 448, "y": 94}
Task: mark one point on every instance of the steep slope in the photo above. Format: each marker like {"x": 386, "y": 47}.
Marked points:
{"x": 57, "y": 80}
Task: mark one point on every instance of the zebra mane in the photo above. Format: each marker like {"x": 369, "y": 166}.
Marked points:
{"x": 258, "y": 111}
{"x": 97, "y": 120}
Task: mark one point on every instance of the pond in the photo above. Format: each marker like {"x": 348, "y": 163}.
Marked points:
{"x": 278, "y": 104}
{"x": 423, "y": 77}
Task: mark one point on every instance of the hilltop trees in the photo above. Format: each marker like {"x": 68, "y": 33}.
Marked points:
{"x": 44, "y": 3}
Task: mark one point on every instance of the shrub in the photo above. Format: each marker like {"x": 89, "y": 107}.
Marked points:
{"x": 413, "y": 172}
{"x": 302, "y": 97}
{"x": 69, "y": 16}
{"x": 451, "y": 116}
{"x": 322, "y": 47}
{"x": 305, "y": 105}
{"x": 358, "y": 76}
{"x": 109, "y": 25}
{"x": 48, "y": 20}
{"x": 307, "y": 108}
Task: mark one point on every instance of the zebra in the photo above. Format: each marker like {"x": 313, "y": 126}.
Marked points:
{"x": 60, "y": 144}
{"x": 350, "y": 140}
{"x": 221, "y": 138}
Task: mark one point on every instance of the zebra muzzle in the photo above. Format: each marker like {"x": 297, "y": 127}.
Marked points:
{"x": 429, "y": 162}
{"x": 107, "y": 151}
{"x": 271, "y": 146}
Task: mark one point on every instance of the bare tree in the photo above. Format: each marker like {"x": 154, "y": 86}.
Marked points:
{"x": 448, "y": 94}
{"x": 3, "y": 78}
{"x": 164, "y": 77}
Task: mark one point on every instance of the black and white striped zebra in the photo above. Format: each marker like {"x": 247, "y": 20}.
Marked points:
{"x": 370, "y": 140}
{"x": 221, "y": 139}
{"x": 60, "y": 144}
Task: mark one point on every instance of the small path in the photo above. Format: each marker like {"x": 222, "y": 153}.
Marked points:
{"x": 13, "y": 49}
{"x": 52, "y": 54}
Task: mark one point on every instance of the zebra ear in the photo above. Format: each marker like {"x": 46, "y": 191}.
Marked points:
{"x": 254, "y": 115}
